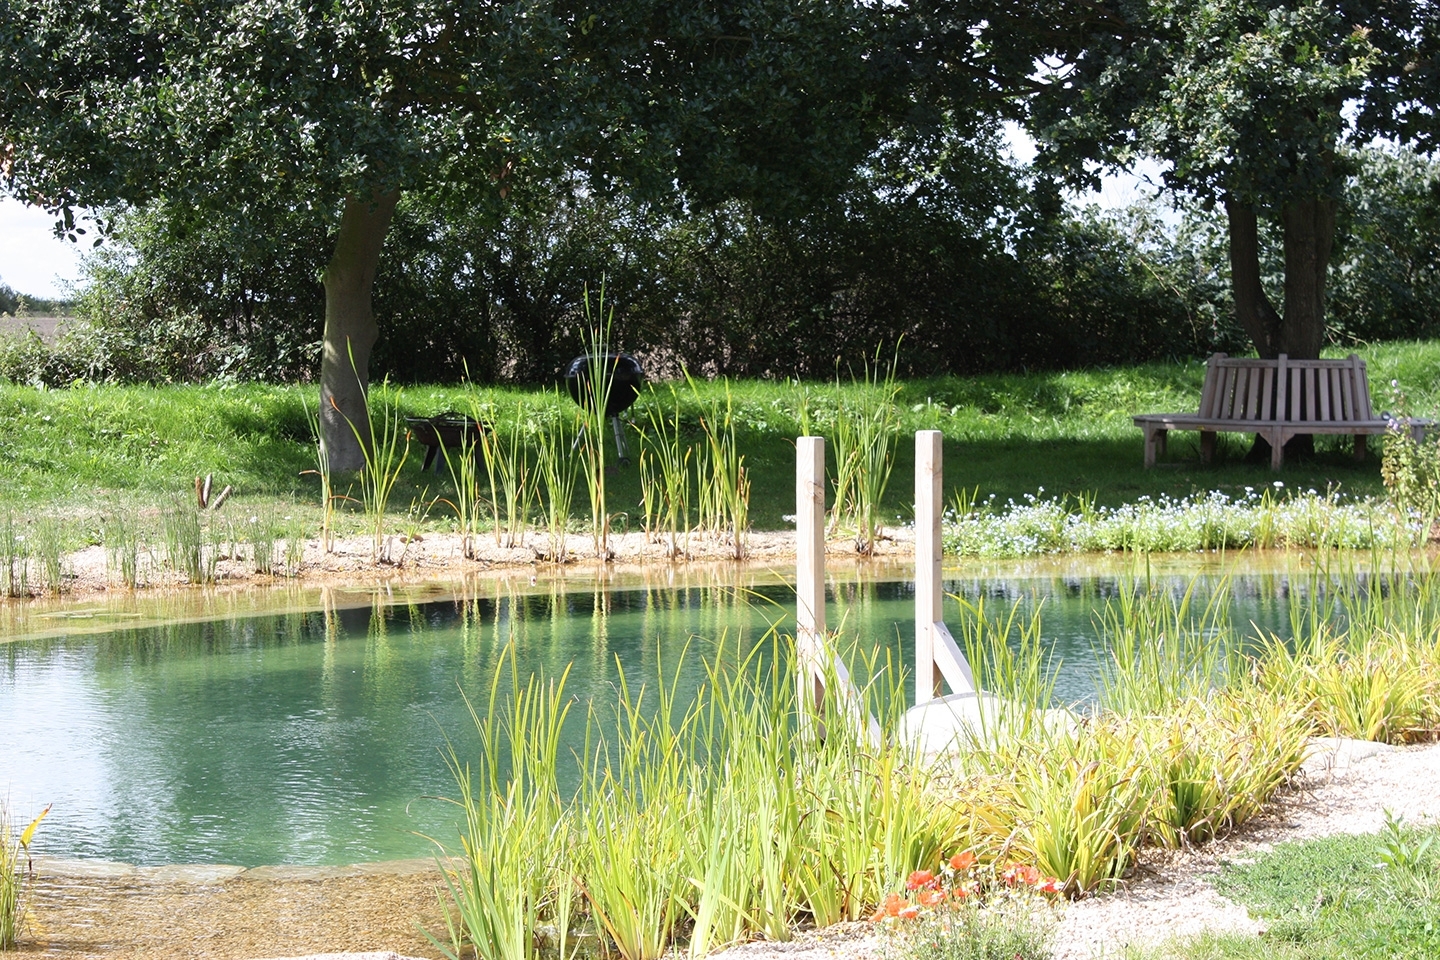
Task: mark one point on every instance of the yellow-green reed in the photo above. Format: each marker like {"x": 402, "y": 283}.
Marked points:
{"x": 16, "y": 874}
{"x": 385, "y": 453}
{"x": 556, "y": 471}
{"x": 511, "y": 478}
{"x": 665, "y": 460}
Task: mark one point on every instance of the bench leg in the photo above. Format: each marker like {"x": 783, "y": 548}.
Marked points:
{"x": 1207, "y": 446}
{"x": 1277, "y": 450}
{"x": 1154, "y": 444}
{"x": 1360, "y": 447}
{"x": 429, "y": 458}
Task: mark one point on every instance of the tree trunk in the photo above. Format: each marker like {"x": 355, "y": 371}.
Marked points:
{"x": 1309, "y": 237}
{"x": 1252, "y": 307}
{"x": 350, "y": 329}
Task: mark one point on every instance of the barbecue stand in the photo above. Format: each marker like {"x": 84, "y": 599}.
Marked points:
{"x": 625, "y": 377}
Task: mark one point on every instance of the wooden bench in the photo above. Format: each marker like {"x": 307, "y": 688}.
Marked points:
{"x": 1276, "y": 399}
{"x": 449, "y": 430}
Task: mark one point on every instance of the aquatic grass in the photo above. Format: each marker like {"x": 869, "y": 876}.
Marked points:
{"x": 723, "y": 481}
{"x": 189, "y": 543}
{"x": 511, "y": 478}
{"x": 17, "y": 872}
{"x": 556, "y": 471}
{"x": 467, "y": 502}
{"x": 514, "y": 873}
{"x": 15, "y": 551}
{"x": 328, "y": 496}
{"x": 385, "y": 452}
{"x": 864, "y": 439}
{"x": 598, "y": 383}
{"x": 665, "y": 472}
{"x": 121, "y": 536}
{"x": 49, "y": 553}
{"x": 1160, "y": 651}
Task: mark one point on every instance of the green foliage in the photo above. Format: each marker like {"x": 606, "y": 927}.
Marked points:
{"x": 1326, "y": 898}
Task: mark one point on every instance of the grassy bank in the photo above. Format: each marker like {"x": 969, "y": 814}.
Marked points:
{"x": 92, "y": 450}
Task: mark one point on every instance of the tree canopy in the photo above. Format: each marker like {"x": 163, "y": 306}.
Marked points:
{"x": 1249, "y": 104}
{"x": 241, "y": 108}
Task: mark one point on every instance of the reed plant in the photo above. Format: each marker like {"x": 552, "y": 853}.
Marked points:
{"x": 556, "y": 471}
{"x": 511, "y": 478}
{"x": 49, "y": 547}
{"x": 15, "y": 551}
{"x": 388, "y": 445}
{"x": 121, "y": 536}
{"x": 723, "y": 490}
{"x": 665, "y": 472}
{"x": 266, "y": 532}
{"x": 516, "y": 849}
{"x": 189, "y": 544}
{"x": 865, "y": 433}
{"x": 1161, "y": 650}
{"x": 597, "y": 384}
{"x": 328, "y": 496}
{"x": 467, "y": 502}
{"x": 17, "y": 872}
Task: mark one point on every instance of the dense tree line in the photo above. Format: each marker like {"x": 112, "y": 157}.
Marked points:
{"x": 766, "y": 187}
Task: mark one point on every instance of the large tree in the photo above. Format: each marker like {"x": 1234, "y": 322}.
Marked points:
{"x": 241, "y": 108}
{"x": 1248, "y": 104}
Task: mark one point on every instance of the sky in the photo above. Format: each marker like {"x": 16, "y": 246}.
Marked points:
{"x": 32, "y": 261}
{"x": 35, "y": 263}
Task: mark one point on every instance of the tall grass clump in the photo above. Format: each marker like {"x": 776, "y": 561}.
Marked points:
{"x": 866, "y": 428}
{"x": 16, "y": 874}
{"x": 665, "y": 476}
{"x": 515, "y": 842}
{"x": 189, "y": 544}
{"x": 328, "y": 496}
{"x": 465, "y": 477}
{"x": 49, "y": 553}
{"x": 389, "y": 444}
{"x": 723, "y": 488}
{"x": 511, "y": 477}
{"x": 697, "y": 821}
{"x": 121, "y": 536}
{"x": 596, "y": 384}
{"x": 555, "y": 471}
{"x": 15, "y": 551}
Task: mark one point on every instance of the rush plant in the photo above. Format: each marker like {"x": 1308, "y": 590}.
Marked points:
{"x": 511, "y": 477}
{"x": 665, "y": 467}
{"x": 17, "y": 872}
{"x": 556, "y": 471}
{"x": 384, "y": 457}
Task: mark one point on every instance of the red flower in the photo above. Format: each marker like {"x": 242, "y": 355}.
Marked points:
{"x": 909, "y": 913}
{"x": 920, "y": 878}
{"x": 1019, "y": 873}
{"x": 891, "y": 907}
{"x": 962, "y": 861}
{"x": 930, "y": 898}
{"x": 1050, "y": 885}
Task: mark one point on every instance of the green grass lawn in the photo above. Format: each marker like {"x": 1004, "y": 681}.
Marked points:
{"x": 89, "y": 449}
{"x": 1335, "y": 897}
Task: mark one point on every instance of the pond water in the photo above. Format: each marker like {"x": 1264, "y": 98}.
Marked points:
{"x": 319, "y": 736}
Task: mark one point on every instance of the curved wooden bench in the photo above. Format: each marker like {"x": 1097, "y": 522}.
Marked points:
{"x": 1276, "y": 399}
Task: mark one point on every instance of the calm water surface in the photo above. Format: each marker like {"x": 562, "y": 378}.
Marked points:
{"x": 319, "y": 737}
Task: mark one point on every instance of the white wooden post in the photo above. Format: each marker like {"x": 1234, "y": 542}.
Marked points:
{"x": 810, "y": 567}
{"x": 937, "y": 657}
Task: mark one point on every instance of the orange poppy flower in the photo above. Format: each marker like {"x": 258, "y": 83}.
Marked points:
{"x": 962, "y": 861}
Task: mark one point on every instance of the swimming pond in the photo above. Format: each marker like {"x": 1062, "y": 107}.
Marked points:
{"x": 319, "y": 736}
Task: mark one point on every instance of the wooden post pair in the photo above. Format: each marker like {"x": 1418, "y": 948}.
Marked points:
{"x": 937, "y": 657}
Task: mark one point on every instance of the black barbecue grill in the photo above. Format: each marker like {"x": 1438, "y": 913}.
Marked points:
{"x": 625, "y": 378}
